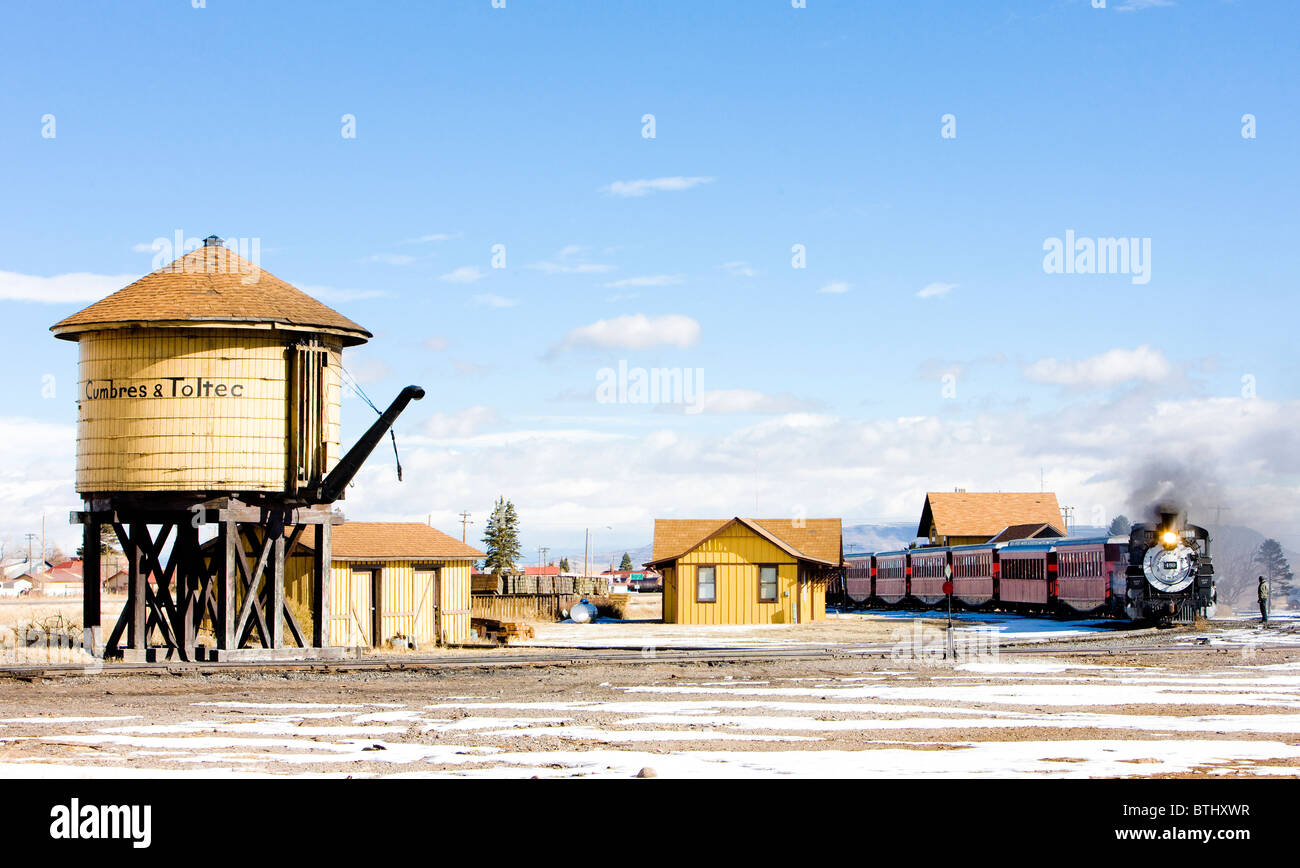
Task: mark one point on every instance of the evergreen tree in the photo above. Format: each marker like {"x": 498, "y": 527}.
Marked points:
{"x": 501, "y": 538}
{"x": 1120, "y": 526}
{"x": 107, "y": 543}
{"x": 564, "y": 565}
{"x": 626, "y": 564}
{"x": 1275, "y": 568}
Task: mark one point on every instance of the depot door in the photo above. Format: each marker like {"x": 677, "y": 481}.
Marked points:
{"x": 366, "y": 608}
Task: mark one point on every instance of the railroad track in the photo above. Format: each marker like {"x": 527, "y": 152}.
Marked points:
{"x": 543, "y": 656}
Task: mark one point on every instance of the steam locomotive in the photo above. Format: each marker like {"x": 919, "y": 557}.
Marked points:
{"x": 1162, "y": 572}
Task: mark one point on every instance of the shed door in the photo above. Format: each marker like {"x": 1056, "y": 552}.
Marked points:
{"x": 362, "y": 607}
{"x": 427, "y": 623}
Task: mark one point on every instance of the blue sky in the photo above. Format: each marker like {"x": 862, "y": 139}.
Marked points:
{"x": 818, "y": 126}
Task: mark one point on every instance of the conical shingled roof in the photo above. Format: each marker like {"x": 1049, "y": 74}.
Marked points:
{"x": 211, "y": 286}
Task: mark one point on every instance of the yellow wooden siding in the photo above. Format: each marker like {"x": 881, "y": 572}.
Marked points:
{"x": 737, "y": 553}
{"x": 406, "y": 607}
{"x": 189, "y": 443}
{"x": 670, "y": 613}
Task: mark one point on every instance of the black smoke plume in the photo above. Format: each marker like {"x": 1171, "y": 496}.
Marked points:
{"x": 1186, "y": 487}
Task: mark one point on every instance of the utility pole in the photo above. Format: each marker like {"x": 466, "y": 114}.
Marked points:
{"x": 1218, "y": 513}
{"x": 541, "y": 556}
{"x": 1068, "y": 513}
{"x": 464, "y": 525}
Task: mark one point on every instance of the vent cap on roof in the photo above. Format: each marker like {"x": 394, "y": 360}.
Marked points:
{"x": 213, "y": 241}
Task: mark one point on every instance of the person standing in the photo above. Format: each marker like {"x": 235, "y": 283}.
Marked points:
{"x": 1263, "y": 599}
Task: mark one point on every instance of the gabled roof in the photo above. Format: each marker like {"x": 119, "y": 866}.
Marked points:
{"x": 389, "y": 541}
{"x": 211, "y": 286}
{"x": 813, "y": 539}
{"x": 396, "y": 541}
{"x": 1027, "y": 531}
{"x": 59, "y": 577}
{"x": 985, "y": 513}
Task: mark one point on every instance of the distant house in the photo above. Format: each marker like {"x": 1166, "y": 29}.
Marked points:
{"x": 954, "y": 518}
{"x": 15, "y": 587}
{"x": 61, "y": 581}
{"x": 746, "y": 571}
{"x": 119, "y": 582}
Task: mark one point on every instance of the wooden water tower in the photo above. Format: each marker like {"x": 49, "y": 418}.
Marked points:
{"x": 209, "y": 393}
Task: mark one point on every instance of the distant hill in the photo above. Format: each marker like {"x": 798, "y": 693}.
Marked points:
{"x": 877, "y": 537}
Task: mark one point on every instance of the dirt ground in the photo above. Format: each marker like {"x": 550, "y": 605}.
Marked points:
{"x": 1200, "y": 706}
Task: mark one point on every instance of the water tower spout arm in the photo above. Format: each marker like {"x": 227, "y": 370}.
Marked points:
{"x": 332, "y": 488}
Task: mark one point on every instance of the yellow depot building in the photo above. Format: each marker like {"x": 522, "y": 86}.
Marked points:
{"x": 390, "y": 579}
{"x": 745, "y": 570}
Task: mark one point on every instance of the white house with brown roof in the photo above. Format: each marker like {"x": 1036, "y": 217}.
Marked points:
{"x": 745, "y": 570}
{"x": 954, "y": 518}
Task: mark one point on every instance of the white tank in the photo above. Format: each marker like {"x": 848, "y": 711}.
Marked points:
{"x": 583, "y": 612}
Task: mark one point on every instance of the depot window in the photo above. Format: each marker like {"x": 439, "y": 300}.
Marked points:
{"x": 767, "y": 584}
{"x": 706, "y": 586}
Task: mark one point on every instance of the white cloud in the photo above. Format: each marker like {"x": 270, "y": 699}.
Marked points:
{"x": 435, "y": 344}
{"x": 837, "y": 287}
{"x": 573, "y": 476}
{"x": 143, "y": 247}
{"x": 728, "y": 401}
{"x": 850, "y": 468}
{"x": 433, "y": 239}
{"x": 1139, "y": 5}
{"x": 634, "y": 332}
{"x": 936, "y": 290}
{"x": 572, "y": 267}
{"x": 649, "y": 280}
{"x": 1107, "y": 369}
{"x": 331, "y": 294}
{"x": 489, "y": 300}
{"x": 392, "y": 258}
{"x": 367, "y": 372}
{"x": 464, "y": 274}
{"x": 739, "y": 269}
{"x": 645, "y": 186}
{"x": 61, "y": 288}
{"x": 469, "y": 369}
{"x": 462, "y": 423}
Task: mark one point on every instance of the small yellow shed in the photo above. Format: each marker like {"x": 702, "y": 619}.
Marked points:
{"x": 746, "y": 571}
{"x": 394, "y": 580}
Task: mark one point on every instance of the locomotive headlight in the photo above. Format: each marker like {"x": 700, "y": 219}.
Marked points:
{"x": 1170, "y": 539}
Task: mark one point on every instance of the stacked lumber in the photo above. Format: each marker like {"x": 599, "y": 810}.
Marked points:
{"x": 501, "y": 632}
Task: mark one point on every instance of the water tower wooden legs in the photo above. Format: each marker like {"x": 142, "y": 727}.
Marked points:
{"x": 220, "y": 599}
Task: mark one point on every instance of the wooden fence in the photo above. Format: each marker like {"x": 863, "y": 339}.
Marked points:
{"x": 519, "y": 607}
